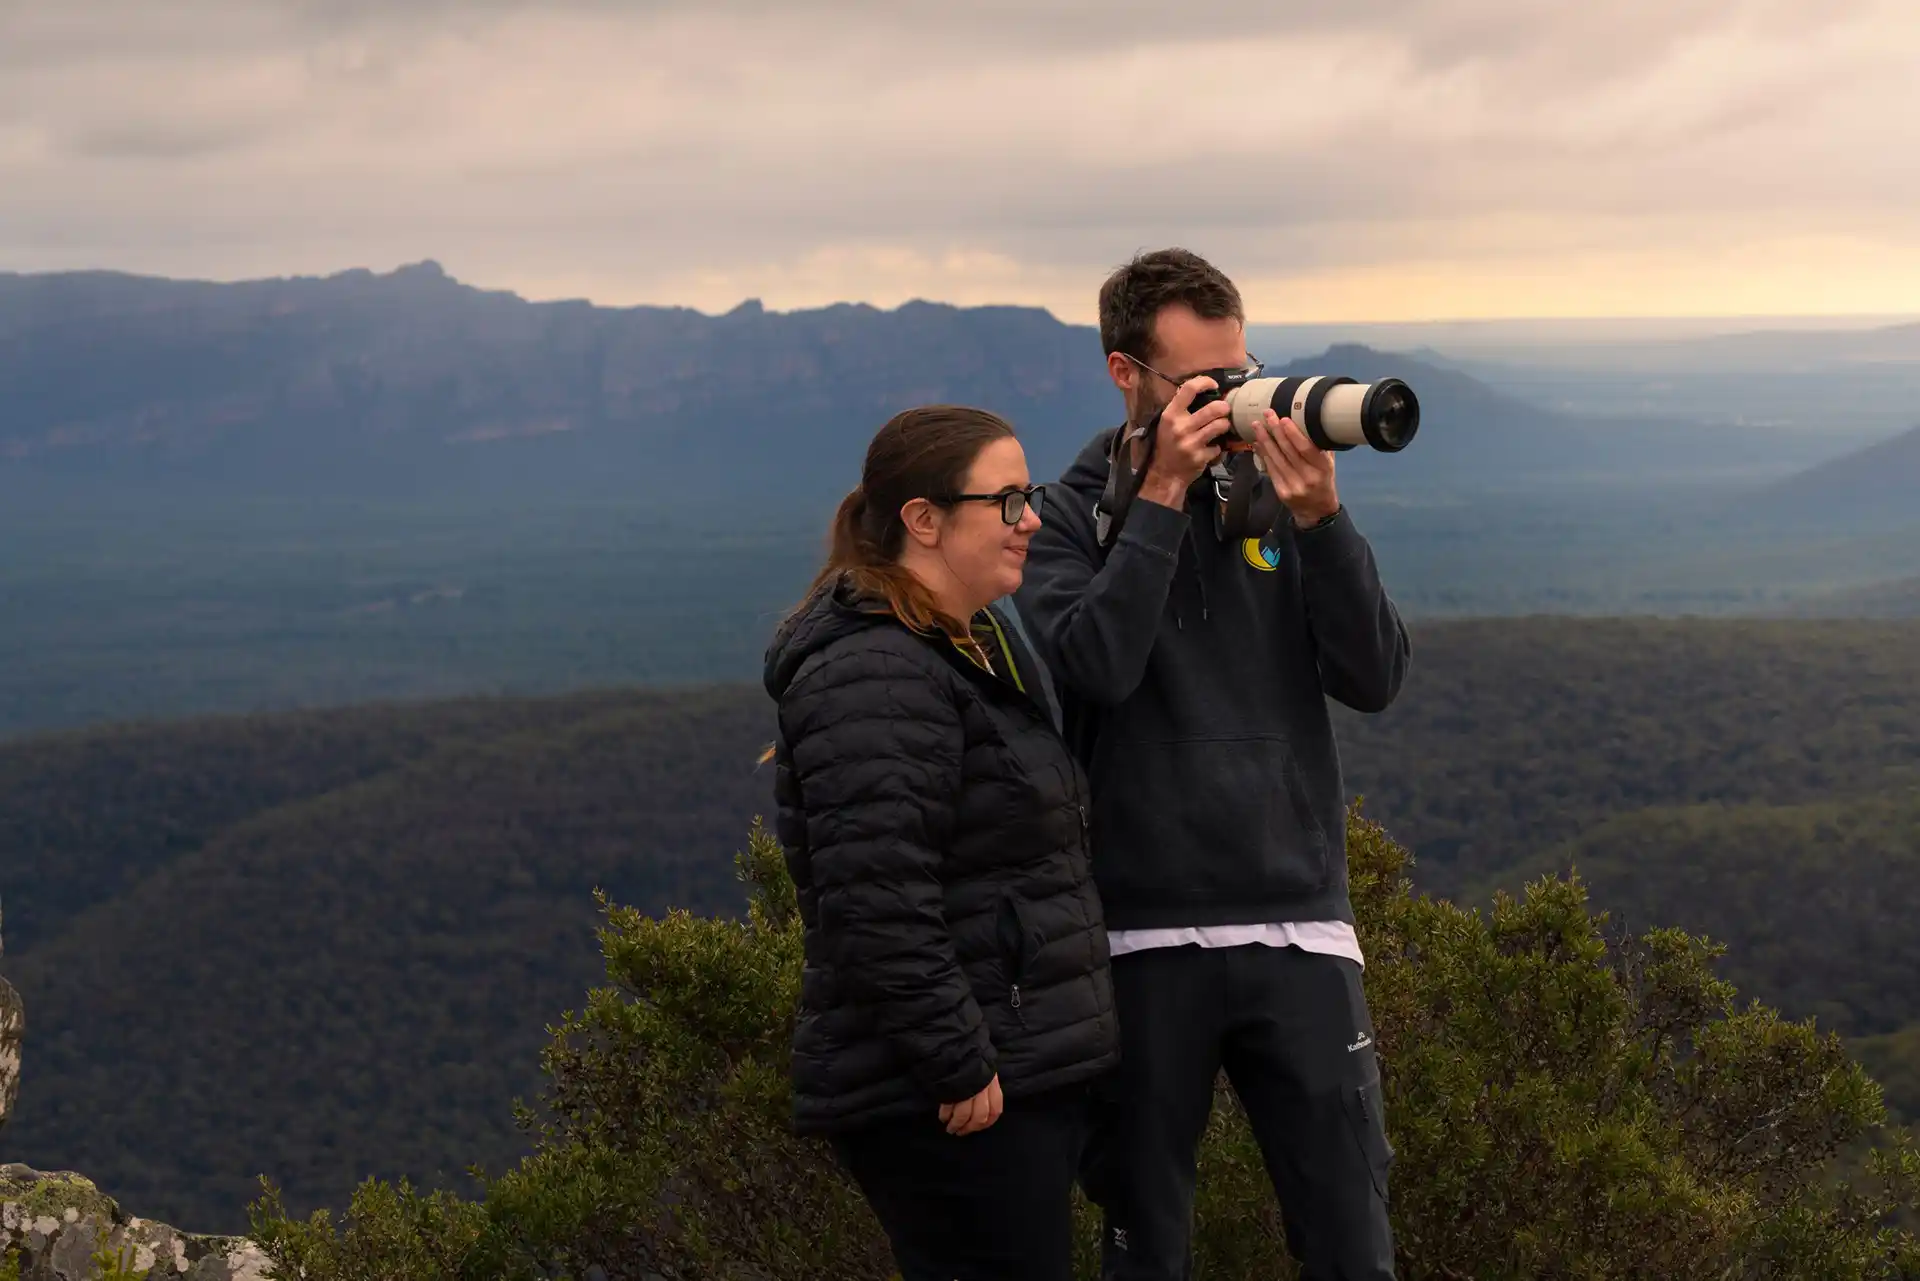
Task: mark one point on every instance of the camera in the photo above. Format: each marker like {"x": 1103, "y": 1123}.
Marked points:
{"x": 1336, "y": 413}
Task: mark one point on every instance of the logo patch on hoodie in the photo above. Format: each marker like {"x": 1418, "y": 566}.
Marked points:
{"x": 1259, "y": 555}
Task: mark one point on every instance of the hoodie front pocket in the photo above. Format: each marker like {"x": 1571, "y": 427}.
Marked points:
{"x": 1209, "y": 819}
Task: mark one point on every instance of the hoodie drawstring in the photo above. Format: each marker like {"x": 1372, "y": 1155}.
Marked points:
{"x": 1192, "y": 568}
{"x": 1200, "y": 581}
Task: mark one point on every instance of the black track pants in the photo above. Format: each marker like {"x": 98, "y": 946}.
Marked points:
{"x": 1291, "y": 1029}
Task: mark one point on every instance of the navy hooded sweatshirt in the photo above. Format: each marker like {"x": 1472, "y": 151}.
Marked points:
{"x": 1194, "y": 675}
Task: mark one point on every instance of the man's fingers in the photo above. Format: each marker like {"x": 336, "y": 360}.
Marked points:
{"x": 1287, "y": 438}
{"x": 1183, "y": 394}
{"x": 1206, "y": 416}
{"x": 1267, "y": 435}
{"x": 1307, "y": 463}
{"x": 1287, "y": 480}
{"x": 1313, "y": 459}
{"x": 1302, "y": 444}
{"x": 1200, "y": 421}
{"x": 1280, "y": 462}
{"x": 1207, "y": 426}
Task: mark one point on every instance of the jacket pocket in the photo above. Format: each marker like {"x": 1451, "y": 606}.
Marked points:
{"x": 1017, "y": 946}
{"x": 1208, "y": 818}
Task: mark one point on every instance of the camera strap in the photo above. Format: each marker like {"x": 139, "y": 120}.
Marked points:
{"x": 1123, "y": 480}
{"x": 1248, "y": 505}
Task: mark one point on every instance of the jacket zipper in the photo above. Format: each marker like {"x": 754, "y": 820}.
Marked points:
{"x": 1034, "y": 704}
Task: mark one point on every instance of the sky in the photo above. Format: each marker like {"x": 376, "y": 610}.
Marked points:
{"x": 1365, "y": 160}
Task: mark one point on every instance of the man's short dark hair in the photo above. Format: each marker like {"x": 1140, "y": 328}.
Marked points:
{"x": 1135, "y": 294}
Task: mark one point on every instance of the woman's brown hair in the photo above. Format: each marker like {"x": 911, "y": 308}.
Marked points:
{"x": 919, "y": 453}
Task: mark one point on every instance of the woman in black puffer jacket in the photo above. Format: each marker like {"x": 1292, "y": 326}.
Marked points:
{"x": 956, "y": 1002}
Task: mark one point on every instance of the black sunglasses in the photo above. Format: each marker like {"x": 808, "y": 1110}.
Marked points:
{"x": 1013, "y": 502}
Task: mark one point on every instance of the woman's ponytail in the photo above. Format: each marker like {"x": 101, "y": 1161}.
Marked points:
{"x": 850, "y": 542}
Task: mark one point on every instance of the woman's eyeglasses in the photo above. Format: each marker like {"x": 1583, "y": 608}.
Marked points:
{"x": 1013, "y": 502}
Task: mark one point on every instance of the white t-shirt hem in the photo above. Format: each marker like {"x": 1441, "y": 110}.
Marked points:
{"x": 1329, "y": 938}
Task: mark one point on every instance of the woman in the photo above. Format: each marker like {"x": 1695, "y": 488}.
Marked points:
{"x": 956, "y": 1000}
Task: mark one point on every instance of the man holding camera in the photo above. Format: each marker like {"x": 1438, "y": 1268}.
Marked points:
{"x": 1195, "y": 669}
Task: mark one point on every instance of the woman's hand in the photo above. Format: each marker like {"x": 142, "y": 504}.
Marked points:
{"x": 970, "y": 1116}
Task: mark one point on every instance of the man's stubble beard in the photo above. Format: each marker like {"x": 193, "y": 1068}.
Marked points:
{"x": 1144, "y": 411}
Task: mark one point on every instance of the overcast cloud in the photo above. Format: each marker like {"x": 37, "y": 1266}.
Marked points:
{"x": 1372, "y": 159}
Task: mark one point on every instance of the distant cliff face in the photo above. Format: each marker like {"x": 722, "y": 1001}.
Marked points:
{"x": 412, "y": 382}
{"x": 359, "y": 373}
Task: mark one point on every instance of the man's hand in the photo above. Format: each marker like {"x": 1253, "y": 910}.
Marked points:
{"x": 970, "y": 1116}
{"x": 1302, "y": 472}
{"x": 1184, "y": 447}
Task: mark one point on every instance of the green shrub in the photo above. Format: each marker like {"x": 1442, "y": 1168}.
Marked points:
{"x": 1563, "y": 1104}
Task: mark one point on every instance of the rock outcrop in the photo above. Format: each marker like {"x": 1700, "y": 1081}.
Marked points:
{"x": 60, "y": 1227}
{"x": 13, "y": 1026}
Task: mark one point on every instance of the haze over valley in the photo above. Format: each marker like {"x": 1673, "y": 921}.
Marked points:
{"x": 297, "y": 492}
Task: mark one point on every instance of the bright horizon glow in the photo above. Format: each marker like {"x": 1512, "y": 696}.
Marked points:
{"x": 716, "y": 305}
{"x": 1421, "y": 161}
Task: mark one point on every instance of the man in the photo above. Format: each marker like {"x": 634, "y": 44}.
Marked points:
{"x": 1195, "y": 672}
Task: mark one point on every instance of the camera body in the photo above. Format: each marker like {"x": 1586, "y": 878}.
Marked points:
{"x": 1336, "y": 413}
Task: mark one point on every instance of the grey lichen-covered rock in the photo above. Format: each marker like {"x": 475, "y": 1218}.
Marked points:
{"x": 60, "y": 1227}
{"x": 13, "y": 1026}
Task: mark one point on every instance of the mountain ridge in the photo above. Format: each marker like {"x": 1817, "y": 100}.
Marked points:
{"x": 412, "y": 382}
{"x": 361, "y": 379}
{"x": 1880, "y": 479}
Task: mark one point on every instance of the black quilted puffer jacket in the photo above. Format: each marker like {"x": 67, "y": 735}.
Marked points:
{"x": 936, "y": 827}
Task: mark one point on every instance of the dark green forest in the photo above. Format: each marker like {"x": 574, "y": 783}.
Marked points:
{"x": 1513, "y": 736}
{"x": 1813, "y": 901}
{"x": 1565, "y": 1101}
{"x": 326, "y": 945}
{"x": 1894, "y": 1061}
